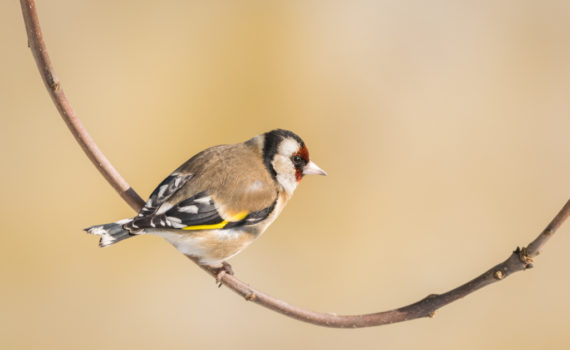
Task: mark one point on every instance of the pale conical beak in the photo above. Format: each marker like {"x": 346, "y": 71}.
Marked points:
{"x": 313, "y": 169}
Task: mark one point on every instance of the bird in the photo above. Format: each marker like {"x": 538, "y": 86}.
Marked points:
{"x": 220, "y": 200}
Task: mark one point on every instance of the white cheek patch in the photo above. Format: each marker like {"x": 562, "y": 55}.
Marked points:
{"x": 285, "y": 173}
{"x": 288, "y": 147}
{"x": 288, "y": 182}
{"x": 283, "y": 165}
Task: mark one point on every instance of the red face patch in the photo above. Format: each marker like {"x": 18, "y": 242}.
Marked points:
{"x": 303, "y": 152}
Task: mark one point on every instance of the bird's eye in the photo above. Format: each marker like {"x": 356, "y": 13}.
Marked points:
{"x": 297, "y": 160}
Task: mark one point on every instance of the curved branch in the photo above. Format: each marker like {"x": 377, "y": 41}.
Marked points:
{"x": 38, "y": 47}
{"x": 520, "y": 259}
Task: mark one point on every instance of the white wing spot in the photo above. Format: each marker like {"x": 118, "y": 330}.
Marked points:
{"x": 162, "y": 190}
{"x": 163, "y": 208}
{"x": 204, "y": 200}
{"x": 177, "y": 225}
{"x": 192, "y": 209}
{"x": 173, "y": 219}
{"x": 175, "y": 222}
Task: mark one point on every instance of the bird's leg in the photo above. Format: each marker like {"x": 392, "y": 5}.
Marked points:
{"x": 221, "y": 271}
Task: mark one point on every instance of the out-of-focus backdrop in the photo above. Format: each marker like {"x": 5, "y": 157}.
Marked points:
{"x": 444, "y": 127}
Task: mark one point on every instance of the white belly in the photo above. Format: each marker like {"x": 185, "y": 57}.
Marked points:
{"x": 212, "y": 247}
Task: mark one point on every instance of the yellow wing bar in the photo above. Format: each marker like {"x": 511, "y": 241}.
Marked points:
{"x": 237, "y": 217}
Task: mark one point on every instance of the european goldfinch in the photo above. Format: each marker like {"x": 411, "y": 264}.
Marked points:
{"x": 220, "y": 200}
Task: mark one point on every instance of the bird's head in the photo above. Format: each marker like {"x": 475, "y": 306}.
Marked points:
{"x": 287, "y": 158}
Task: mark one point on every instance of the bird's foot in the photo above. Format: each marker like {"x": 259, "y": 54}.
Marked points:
{"x": 222, "y": 271}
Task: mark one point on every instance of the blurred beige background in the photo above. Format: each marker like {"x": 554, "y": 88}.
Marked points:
{"x": 444, "y": 127}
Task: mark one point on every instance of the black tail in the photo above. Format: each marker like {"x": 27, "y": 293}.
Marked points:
{"x": 110, "y": 233}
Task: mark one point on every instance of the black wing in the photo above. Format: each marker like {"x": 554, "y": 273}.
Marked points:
{"x": 198, "y": 213}
{"x": 163, "y": 192}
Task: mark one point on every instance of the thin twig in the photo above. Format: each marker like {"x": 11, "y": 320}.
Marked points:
{"x": 520, "y": 259}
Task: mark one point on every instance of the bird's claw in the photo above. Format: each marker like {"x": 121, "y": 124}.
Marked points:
{"x": 222, "y": 271}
